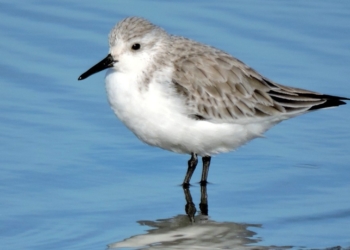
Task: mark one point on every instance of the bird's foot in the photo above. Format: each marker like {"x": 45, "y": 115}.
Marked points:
{"x": 203, "y": 183}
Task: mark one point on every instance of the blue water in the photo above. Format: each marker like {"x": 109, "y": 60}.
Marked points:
{"x": 73, "y": 177}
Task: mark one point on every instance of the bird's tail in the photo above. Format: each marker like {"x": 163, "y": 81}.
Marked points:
{"x": 295, "y": 99}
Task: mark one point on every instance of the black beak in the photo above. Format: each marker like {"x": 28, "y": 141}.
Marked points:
{"x": 107, "y": 62}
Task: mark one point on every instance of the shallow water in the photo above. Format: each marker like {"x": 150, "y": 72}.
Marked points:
{"x": 73, "y": 177}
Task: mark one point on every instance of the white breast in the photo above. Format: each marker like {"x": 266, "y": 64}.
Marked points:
{"x": 158, "y": 118}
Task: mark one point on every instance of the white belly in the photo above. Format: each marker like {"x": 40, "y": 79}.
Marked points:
{"x": 158, "y": 119}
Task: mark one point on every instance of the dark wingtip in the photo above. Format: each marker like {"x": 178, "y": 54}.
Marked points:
{"x": 331, "y": 101}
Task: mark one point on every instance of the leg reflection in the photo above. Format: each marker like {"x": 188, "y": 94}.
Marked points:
{"x": 190, "y": 207}
{"x": 203, "y": 206}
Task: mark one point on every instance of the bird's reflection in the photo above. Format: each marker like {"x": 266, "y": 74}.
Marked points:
{"x": 190, "y": 207}
{"x": 194, "y": 231}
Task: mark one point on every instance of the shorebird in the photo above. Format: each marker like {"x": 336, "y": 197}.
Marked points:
{"x": 187, "y": 97}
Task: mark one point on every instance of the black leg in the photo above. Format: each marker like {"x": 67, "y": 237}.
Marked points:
{"x": 206, "y": 164}
{"x": 192, "y": 163}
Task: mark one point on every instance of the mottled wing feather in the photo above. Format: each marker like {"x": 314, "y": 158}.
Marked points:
{"x": 220, "y": 88}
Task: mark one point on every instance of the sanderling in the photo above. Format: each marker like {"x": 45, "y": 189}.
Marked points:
{"x": 187, "y": 97}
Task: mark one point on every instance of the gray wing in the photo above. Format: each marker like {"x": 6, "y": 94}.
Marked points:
{"x": 220, "y": 88}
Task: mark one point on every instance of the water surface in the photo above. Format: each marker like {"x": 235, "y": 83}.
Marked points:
{"x": 73, "y": 177}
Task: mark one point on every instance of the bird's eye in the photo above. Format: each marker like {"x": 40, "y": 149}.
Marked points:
{"x": 136, "y": 46}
